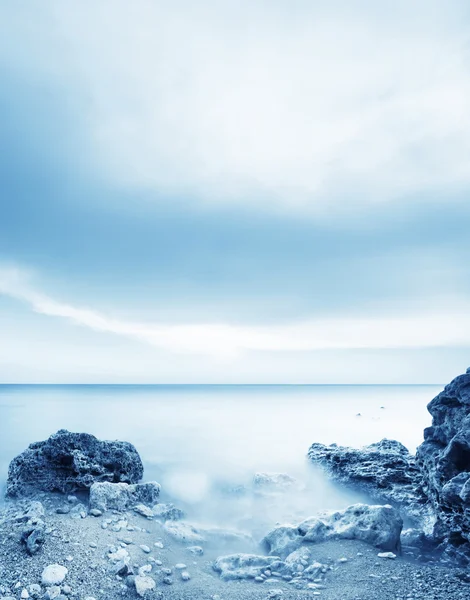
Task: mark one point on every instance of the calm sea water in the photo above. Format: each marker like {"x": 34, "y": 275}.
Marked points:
{"x": 198, "y": 439}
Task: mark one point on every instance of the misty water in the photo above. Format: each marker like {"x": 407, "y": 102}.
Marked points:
{"x": 204, "y": 444}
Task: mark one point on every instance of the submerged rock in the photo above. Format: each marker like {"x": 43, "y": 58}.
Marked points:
{"x": 72, "y": 461}
{"x": 444, "y": 458}
{"x": 379, "y": 526}
{"x": 385, "y": 470}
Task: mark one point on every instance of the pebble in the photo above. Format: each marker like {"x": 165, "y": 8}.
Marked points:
{"x": 95, "y": 512}
{"x": 159, "y": 545}
{"x": 168, "y": 580}
{"x": 180, "y": 566}
{"x": 24, "y": 594}
{"x": 185, "y": 576}
{"x": 390, "y": 555}
{"x": 145, "y": 548}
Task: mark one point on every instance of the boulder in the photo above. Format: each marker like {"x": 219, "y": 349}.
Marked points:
{"x": 444, "y": 459}
{"x": 121, "y": 496}
{"x": 384, "y": 470}
{"x": 242, "y": 566}
{"x": 72, "y": 461}
{"x": 379, "y": 526}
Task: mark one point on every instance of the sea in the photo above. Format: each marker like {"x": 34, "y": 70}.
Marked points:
{"x": 205, "y": 443}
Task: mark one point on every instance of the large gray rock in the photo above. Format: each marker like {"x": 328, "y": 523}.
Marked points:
{"x": 444, "y": 458}
{"x": 384, "y": 470}
{"x": 379, "y": 526}
{"x": 72, "y": 461}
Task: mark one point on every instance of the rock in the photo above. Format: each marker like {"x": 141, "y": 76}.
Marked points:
{"x": 444, "y": 458}
{"x": 34, "y": 590}
{"x": 390, "y": 555}
{"x": 379, "y": 526}
{"x": 72, "y": 461}
{"x": 52, "y": 593}
{"x": 385, "y": 470}
{"x": 53, "y": 575}
{"x": 274, "y": 483}
{"x": 184, "y": 532}
{"x": 144, "y": 511}
{"x": 168, "y": 512}
{"x": 144, "y": 584}
{"x": 282, "y": 540}
{"x": 242, "y": 566}
{"x": 33, "y": 536}
{"x": 185, "y": 576}
{"x": 95, "y": 512}
{"x": 196, "y": 550}
{"x": 121, "y": 496}
{"x": 145, "y": 548}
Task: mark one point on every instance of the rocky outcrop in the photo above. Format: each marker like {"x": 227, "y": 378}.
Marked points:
{"x": 444, "y": 459}
{"x": 384, "y": 470}
{"x": 379, "y": 526}
{"x": 72, "y": 461}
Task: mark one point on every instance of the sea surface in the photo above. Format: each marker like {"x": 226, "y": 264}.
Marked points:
{"x": 203, "y": 443}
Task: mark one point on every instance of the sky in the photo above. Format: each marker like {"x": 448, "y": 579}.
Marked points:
{"x": 234, "y": 192}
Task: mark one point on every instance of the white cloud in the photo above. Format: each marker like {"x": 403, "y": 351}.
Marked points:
{"x": 295, "y": 106}
{"x": 426, "y": 330}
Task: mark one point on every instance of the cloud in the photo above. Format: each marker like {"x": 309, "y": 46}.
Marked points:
{"x": 225, "y": 340}
{"x": 300, "y": 109}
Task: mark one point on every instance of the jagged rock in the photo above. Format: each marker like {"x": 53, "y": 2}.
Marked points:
{"x": 384, "y": 470}
{"x": 72, "y": 461}
{"x": 379, "y": 526}
{"x": 120, "y": 496}
{"x": 242, "y": 566}
{"x": 444, "y": 458}
{"x": 33, "y": 535}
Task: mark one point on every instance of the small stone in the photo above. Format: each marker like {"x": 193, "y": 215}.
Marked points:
{"x": 167, "y": 571}
{"x": 143, "y": 584}
{"x": 275, "y": 593}
{"x": 159, "y": 545}
{"x": 52, "y": 593}
{"x": 66, "y": 589}
{"x": 343, "y": 560}
{"x": 180, "y": 566}
{"x": 196, "y": 550}
{"x": 53, "y": 575}
{"x": 390, "y": 555}
{"x": 24, "y": 594}
{"x": 185, "y": 576}
{"x": 145, "y": 548}
{"x": 259, "y": 579}
{"x": 63, "y": 510}
{"x": 96, "y": 512}
{"x": 93, "y": 545}
{"x": 168, "y": 581}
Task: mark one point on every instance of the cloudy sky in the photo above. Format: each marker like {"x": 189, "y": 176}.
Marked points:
{"x": 234, "y": 191}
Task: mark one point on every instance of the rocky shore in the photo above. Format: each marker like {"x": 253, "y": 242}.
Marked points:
{"x": 79, "y": 524}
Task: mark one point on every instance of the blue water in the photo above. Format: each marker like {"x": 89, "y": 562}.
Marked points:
{"x": 194, "y": 439}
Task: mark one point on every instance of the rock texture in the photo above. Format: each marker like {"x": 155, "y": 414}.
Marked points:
{"x": 379, "y": 526}
{"x": 444, "y": 459}
{"x": 72, "y": 461}
{"x": 121, "y": 496}
{"x": 384, "y": 470}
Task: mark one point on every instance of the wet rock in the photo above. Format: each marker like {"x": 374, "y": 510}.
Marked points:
{"x": 242, "y": 566}
{"x": 121, "y": 496}
{"x": 379, "y": 526}
{"x": 444, "y": 458}
{"x": 72, "y": 461}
